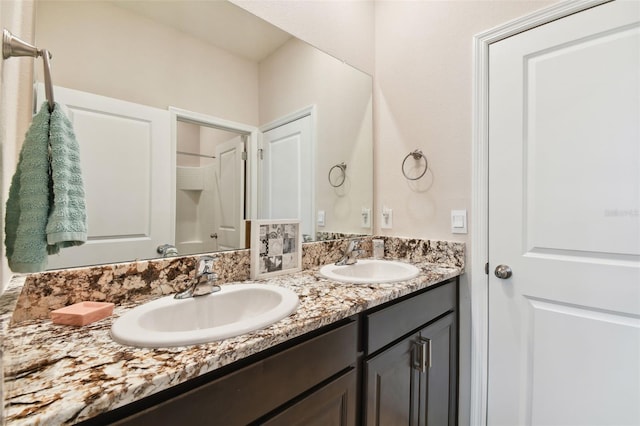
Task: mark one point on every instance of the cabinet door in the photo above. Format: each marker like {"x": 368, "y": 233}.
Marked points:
{"x": 332, "y": 405}
{"x": 393, "y": 387}
{"x": 414, "y": 382}
{"x": 441, "y": 374}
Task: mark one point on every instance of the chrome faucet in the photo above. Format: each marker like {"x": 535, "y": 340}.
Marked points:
{"x": 204, "y": 281}
{"x": 351, "y": 254}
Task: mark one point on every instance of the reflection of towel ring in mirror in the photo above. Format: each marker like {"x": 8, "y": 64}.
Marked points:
{"x": 343, "y": 169}
{"x": 417, "y": 155}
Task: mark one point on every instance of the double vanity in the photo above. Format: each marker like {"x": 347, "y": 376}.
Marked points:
{"x": 349, "y": 353}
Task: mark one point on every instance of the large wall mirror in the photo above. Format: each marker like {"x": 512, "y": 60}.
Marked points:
{"x": 194, "y": 117}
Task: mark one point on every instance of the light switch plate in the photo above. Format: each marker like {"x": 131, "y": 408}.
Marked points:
{"x": 320, "y": 218}
{"x": 387, "y": 218}
{"x": 458, "y": 221}
{"x": 365, "y": 218}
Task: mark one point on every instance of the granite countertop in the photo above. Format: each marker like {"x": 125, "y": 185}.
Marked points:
{"x": 56, "y": 374}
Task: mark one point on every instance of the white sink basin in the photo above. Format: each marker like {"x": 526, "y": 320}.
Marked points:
{"x": 234, "y": 310}
{"x": 370, "y": 271}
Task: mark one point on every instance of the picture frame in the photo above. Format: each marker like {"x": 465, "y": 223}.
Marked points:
{"x": 276, "y": 247}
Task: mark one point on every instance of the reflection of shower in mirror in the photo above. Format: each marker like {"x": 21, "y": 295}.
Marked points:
{"x": 207, "y": 181}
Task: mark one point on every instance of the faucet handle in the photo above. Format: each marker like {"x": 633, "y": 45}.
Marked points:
{"x": 205, "y": 265}
{"x": 167, "y": 250}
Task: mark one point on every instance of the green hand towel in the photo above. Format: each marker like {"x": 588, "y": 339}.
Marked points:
{"x": 67, "y": 225}
{"x": 28, "y": 204}
{"x": 46, "y": 208}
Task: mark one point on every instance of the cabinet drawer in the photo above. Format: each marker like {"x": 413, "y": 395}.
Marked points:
{"x": 393, "y": 322}
{"x": 251, "y": 392}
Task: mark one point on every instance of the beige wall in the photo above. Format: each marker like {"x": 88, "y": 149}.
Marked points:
{"x": 343, "y": 99}
{"x": 103, "y": 49}
{"x": 422, "y": 56}
{"x": 342, "y": 28}
{"x": 423, "y": 100}
{"x": 15, "y": 105}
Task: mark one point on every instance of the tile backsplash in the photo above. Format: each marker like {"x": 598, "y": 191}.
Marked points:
{"x": 136, "y": 281}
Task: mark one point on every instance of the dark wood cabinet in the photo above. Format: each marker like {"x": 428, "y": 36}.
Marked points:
{"x": 250, "y": 393}
{"x": 413, "y": 379}
{"x": 332, "y": 405}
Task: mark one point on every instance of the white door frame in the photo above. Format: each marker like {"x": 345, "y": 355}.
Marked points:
{"x": 208, "y": 120}
{"x": 480, "y": 190}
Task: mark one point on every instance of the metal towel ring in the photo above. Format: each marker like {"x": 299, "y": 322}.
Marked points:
{"x": 343, "y": 168}
{"x": 417, "y": 155}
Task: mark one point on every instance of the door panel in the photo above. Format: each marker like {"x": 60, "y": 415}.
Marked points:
{"x": 564, "y": 214}
{"x": 125, "y": 156}
{"x": 287, "y": 174}
{"x": 393, "y": 386}
{"x": 230, "y": 183}
{"x": 441, "y": 395}
{"x": 564, "y": 172}
{"x": 591, "y": 366}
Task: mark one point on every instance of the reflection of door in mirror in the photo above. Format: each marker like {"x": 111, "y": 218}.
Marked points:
{"x": 210, "y": 176}
{"x": 230, "y": 177}
{"x": 287, "y": 174}
{"x": 125, "y": 155}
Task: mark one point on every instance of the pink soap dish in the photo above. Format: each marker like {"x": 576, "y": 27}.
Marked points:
{"x": 82, "y": 313}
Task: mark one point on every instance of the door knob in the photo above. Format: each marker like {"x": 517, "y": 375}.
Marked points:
{"x": 503, "y": 272}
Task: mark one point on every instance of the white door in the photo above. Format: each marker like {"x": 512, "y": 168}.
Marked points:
{"x": 125, "y": 159}
{"x": 230, "y": 177}
{"x": 287, "y": 174}
{"x": 564, "y": 215}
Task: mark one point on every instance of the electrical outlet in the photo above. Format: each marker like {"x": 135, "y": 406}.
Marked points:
{"x": 365, "y": 218}
{"x": 320, "y": 218}
{"x": 387, "y": 218}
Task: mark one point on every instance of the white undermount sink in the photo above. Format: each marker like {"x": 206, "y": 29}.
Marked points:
{"x": 370, "y": 271}
{"x": 234, "y": 310}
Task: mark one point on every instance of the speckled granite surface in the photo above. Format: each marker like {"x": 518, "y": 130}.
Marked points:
{"x": 61, "y": 375}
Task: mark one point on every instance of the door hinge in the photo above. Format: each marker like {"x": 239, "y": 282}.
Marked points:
{"x": 244, "y": 155}
{"x": 261, "y": 154}
{"x": 486, "y": 268}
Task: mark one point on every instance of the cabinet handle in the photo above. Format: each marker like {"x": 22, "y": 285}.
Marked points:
{"x": 424, "y": 355}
